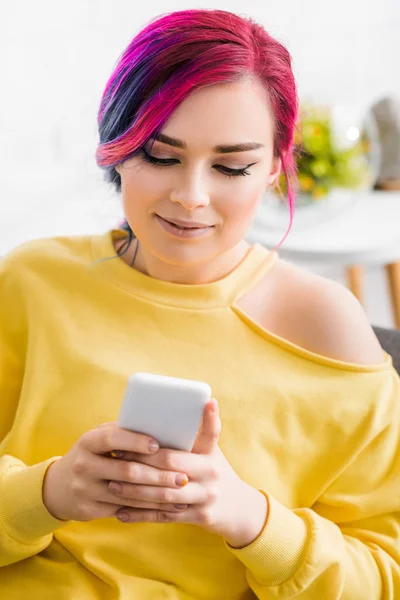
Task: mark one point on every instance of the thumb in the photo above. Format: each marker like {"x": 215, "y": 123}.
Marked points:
{"x": 210, "y": 429}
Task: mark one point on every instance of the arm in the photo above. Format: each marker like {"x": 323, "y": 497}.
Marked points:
{"x": 25, "y": 525}
{"x": 347, "y": 545}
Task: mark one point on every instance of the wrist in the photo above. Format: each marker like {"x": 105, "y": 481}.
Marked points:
{"x": 51, "y": 491}
{"x": 248, "y": 528}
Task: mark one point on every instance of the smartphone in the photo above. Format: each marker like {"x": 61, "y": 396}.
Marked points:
{"x": 169, "y": 409}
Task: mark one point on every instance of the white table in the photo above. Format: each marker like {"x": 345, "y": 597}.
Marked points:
{"x": 364, "y": 231}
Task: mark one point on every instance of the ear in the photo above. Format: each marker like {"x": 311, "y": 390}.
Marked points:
{"x": 118, "y": 169}
{"x": 276, "y": 169}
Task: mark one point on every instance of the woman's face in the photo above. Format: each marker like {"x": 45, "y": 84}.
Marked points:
{"x": 198, "y": 185}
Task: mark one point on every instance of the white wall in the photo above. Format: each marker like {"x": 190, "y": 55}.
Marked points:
{"x": 55, "y": 59}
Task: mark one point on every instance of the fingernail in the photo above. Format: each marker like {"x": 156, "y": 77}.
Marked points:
{"x": 115, "y": 487}
{"x": 181, "y": 480}
{"x": 154, "y": 446}
{"x": 117, "y": 454}
{"x": 123, "y": 516}
{"x": 181, "y": 506}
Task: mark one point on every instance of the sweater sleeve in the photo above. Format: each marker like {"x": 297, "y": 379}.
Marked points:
{"x": 26, "y": 526}
{"x": 347, "y": 545}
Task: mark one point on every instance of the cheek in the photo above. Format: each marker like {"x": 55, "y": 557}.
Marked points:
{"x": 144, "y": 182}
{"x": 142, "y": 191}
{"x": 241, "y": 203}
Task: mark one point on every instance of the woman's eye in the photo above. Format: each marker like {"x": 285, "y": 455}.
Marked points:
{"x": 166, "y": 162}
{"x": 158, "y": 161}
{"x": 233, "y": 172}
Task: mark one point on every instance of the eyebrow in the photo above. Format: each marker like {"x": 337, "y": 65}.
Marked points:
{"x": 222, "y": 149}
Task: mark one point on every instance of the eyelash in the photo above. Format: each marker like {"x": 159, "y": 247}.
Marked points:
{"x": 158, "y": 162}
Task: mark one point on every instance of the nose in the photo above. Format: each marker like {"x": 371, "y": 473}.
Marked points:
{"x": 190, "y": 192}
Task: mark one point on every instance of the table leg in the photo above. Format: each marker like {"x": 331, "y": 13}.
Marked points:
{"x": 393, "y": 277}
{"x": 355, "y": 279}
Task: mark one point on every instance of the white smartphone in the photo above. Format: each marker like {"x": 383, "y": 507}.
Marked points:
{"x": 169, "y": 409}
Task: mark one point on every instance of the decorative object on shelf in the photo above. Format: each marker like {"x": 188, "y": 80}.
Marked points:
{"x": 334, "y": 150}
{"x": 387, "y": 116}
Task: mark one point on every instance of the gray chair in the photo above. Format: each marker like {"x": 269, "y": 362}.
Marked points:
{"x": 389, "y": 339}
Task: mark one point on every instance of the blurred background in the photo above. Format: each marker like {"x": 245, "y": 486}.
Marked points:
{"x": 55, "y": 60}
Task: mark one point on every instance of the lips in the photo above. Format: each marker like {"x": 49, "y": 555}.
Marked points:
{"x": 180, "y": 229}
{"x": 186, "y": 224}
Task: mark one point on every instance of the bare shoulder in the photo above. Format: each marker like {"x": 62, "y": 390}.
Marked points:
{"x": 316, "y": 313}
{"x": 334, "y": 323}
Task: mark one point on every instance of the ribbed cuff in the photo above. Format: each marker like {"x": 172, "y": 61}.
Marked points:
{"x": 277, "y": 553}
{"x": 23, "y": 515}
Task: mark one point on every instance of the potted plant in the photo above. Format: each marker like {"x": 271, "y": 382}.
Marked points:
{"x": 327, "y": 160}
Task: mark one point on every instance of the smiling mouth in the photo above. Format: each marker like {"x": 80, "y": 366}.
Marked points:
{"x": 184, "y": 230}
{"x": 182, "y": 226}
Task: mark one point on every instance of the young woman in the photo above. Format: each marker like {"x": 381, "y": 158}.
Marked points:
{"x": 293, "y": 486}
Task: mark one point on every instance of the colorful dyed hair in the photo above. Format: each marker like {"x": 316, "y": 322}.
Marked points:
{"x": 181, "y": 52}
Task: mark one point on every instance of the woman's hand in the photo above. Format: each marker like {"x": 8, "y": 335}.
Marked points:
{"x": 77, "y": 486}
{"x": 215, "y": 497}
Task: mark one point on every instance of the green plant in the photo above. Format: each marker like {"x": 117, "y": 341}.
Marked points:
{"x": 321, "y": 164}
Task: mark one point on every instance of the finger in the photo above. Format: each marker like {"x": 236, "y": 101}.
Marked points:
{"x": 119, "y": 503}
{"x": 193, "y": 493}
{"x": 103, "y": 510}
{"x": 120, "y": 455}
{"x": 137, "y": 515}
{"x": 103, "y": 496}
{"x": 195, "y": 466}
{"x": 210, "y": 429}
{"x": 139, "y": 473}
{"x": 111, "y": 437}
{"x": 101, "y": 426}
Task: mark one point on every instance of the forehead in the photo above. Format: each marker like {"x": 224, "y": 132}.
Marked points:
{"x": 223, "y": 114}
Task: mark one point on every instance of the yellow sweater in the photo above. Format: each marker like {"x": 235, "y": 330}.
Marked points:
{"x": 319, "y": 436}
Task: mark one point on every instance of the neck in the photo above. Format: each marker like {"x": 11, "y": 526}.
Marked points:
{"x": 194, "y": 274}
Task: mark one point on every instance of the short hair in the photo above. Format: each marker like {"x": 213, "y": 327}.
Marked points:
{"x": 178, "y": 53}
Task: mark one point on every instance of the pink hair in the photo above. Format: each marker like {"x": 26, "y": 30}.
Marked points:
{"x": 181, "y": 52}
